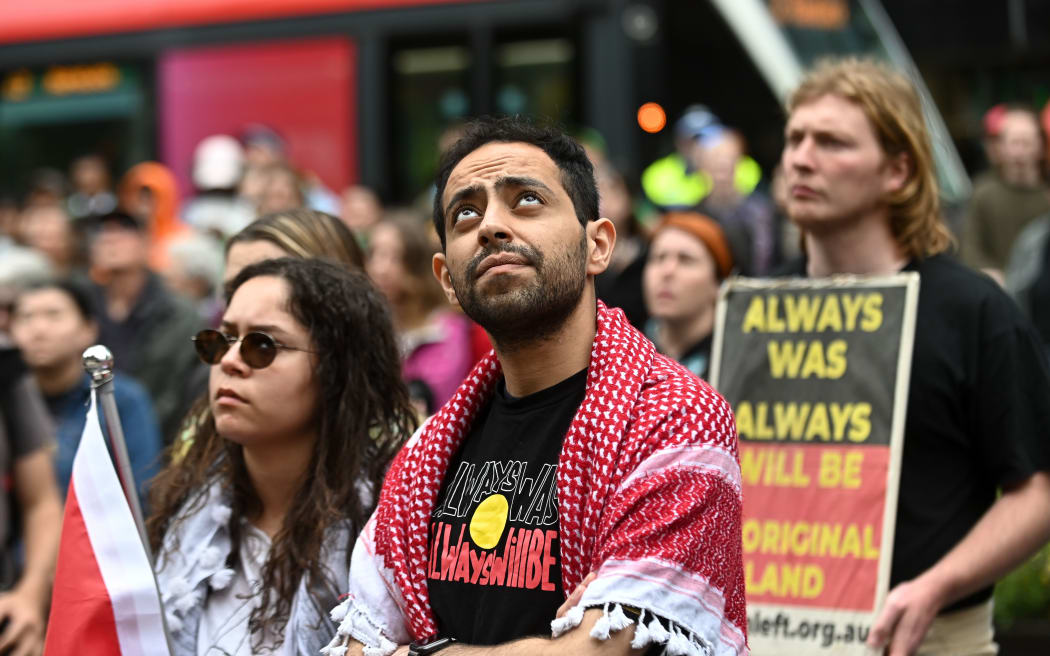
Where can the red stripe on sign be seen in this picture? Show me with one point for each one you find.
(81, 620)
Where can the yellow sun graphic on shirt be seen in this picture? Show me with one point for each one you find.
(489, 520)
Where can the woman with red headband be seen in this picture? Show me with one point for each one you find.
(689, 258)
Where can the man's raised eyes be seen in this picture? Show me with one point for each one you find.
(469, 212)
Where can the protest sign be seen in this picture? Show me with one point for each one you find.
(817, 375)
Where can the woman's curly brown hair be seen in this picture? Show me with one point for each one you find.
(363, 417)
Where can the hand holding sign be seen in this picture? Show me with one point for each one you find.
(906, 616)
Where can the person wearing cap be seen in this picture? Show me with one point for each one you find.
(677, 181)
(673, 181)
(1005, 203)
(143, 323)
(745, 215)
(218, 166)
(266, 152)
(688, 259)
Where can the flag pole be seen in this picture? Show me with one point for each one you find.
(98, 362)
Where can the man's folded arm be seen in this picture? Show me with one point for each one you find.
(578, 641)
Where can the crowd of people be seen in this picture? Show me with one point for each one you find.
(366, 385)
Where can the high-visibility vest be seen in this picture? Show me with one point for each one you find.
(668, 182)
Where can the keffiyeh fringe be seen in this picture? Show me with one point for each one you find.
(354, 623)
(676, 641)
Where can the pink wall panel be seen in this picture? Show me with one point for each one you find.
(304, 89)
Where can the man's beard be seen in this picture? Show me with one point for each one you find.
(523, 315)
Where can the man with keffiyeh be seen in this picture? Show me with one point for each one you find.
(580, 493)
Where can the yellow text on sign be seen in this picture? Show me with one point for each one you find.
(802, 538)
(838, 470)
(803, 422)
(801, 359)
(785, 580)
(813, 313)
(784, 468)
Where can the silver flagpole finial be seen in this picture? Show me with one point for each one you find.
(98, 362)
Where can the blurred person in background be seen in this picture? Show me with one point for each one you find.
(1027, 275)
(52, 324)
(47, 186)
(675, 181)
(620, 285)
(18, 266)
(689, 258)
(300, 233)
(92, 194)
(194, 271)
(149, 193)
(253, 526)
(48, 230)
(678, 180)
(991, 130)
(30, 507)
(1028, 269)
(435, 340)
(218, 165)
(282, 189)
(264, 148)
(1001, 207)
(360, 209)
(1044, 121)
(746, 216)
(8, 216)
(143, 323)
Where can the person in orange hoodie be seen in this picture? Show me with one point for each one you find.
(148, 192)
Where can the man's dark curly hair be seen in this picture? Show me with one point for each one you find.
(363, 417)
(577, 173)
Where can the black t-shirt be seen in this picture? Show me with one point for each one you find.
(978, 412)
(494, 573)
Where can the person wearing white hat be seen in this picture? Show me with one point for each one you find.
(218, 164)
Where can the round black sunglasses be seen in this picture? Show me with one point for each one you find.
(257, 348)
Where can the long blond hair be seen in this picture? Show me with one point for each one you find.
(891, 103)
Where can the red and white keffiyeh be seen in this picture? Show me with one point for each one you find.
(648, 496)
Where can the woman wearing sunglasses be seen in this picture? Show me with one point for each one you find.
(253, 526)
(301, 233)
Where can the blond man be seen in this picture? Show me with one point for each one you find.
(862, 189)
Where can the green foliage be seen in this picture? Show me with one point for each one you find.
(1025, 592)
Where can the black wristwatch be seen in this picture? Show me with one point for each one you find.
(432, 647)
